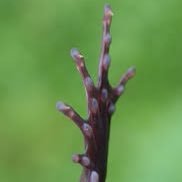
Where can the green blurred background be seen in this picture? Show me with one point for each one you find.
(36, 141)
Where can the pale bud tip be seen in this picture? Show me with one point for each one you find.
(111, 108)
(107, 10)
(85, 161)
(94, 105)
(94, 177)
(88, 82)
(120, 89)
(75, 158)
(75, 53)
(108, 38)
(104, 94)
(106, 61)
(131, 72)
(87, 129)
(60, 106)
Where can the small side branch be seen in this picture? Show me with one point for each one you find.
(106, 41)
(118, 91)
(128, 75)
(80, 63)
(81, 67)
(76, 118)
(70, 113)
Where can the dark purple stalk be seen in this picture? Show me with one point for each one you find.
(101, 99)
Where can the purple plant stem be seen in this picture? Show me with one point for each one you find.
(101, 101)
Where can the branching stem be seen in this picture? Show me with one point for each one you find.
(101, 105)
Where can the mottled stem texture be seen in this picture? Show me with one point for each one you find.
(101, 99)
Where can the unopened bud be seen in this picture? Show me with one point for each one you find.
(94, 105)
(88, 83)
(119, 90)
(61, 106)
(75, 53)
(75, 158)
(94, 177)
(131, 72)
(108, 11)
(104, 94)
(107, 38)
(85, 161)
(111, 108)
(106, 61)
(87, 129)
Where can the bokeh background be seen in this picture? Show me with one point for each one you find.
(36, 141)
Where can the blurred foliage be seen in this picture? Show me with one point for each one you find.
(36, 141)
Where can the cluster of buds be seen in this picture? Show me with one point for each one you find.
(101, 99)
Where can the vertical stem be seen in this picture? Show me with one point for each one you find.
(101, 105)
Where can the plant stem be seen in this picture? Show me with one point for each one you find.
(101, 101)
